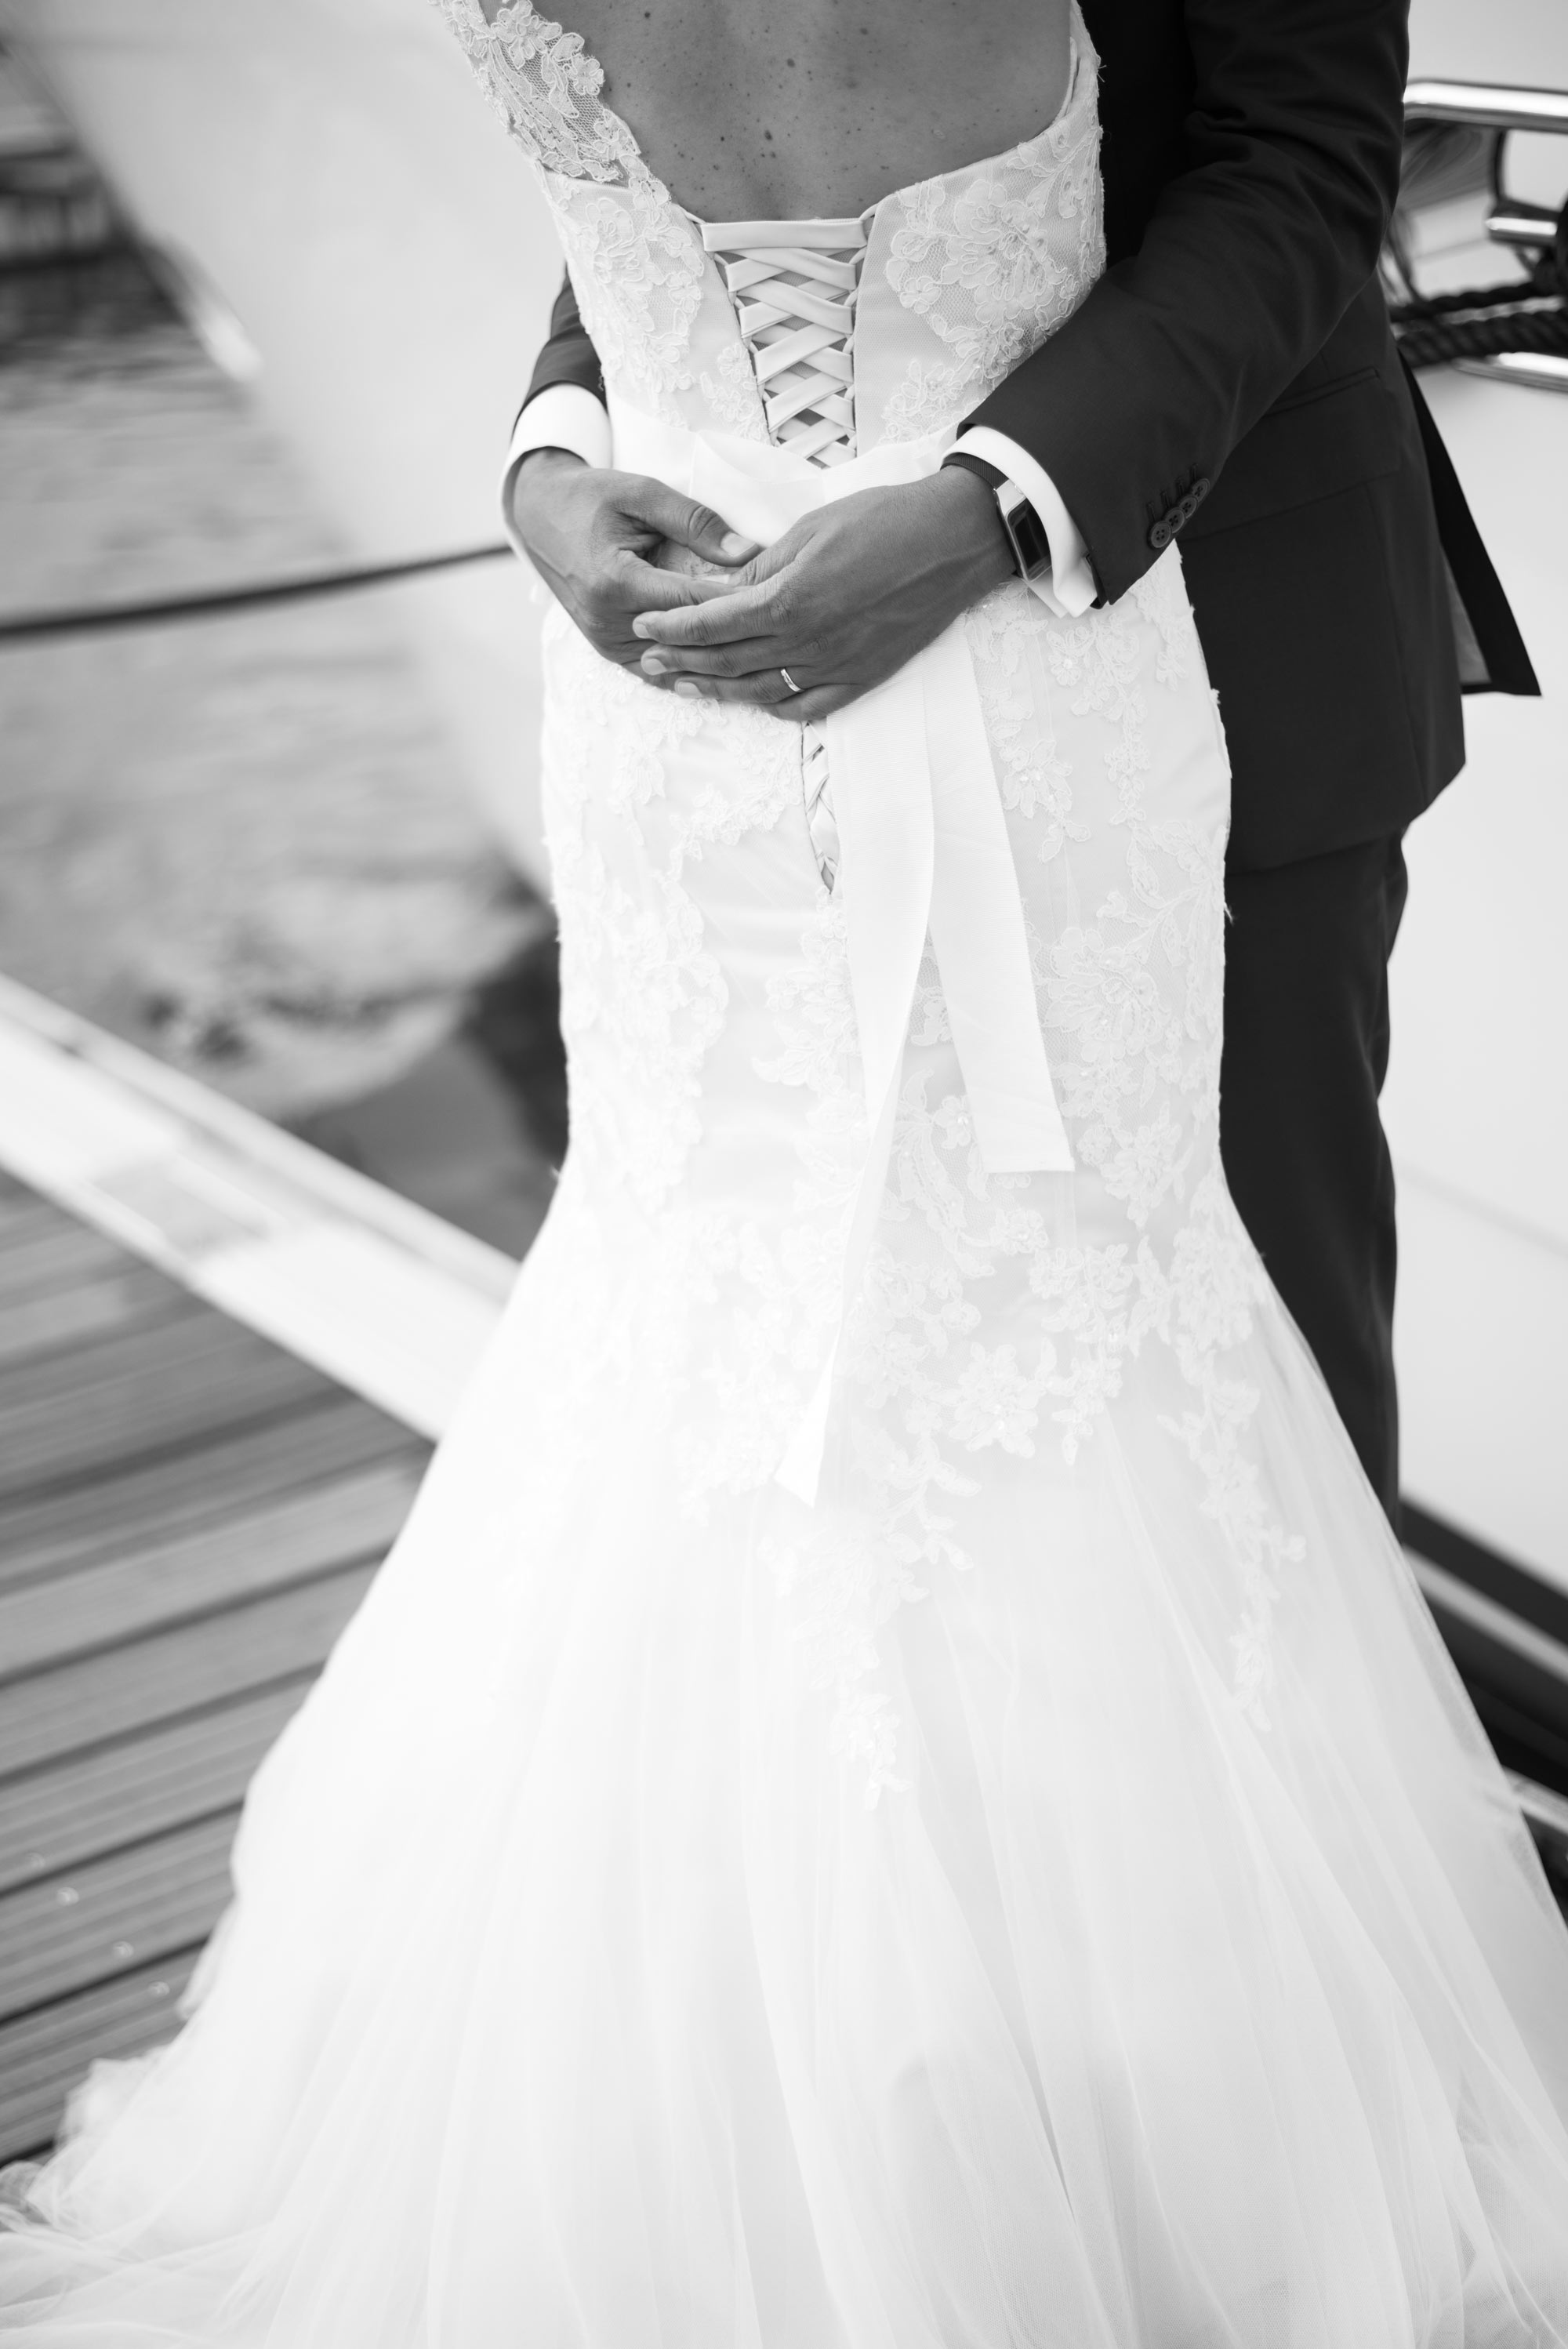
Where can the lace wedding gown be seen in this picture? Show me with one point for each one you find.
(1006, 1863)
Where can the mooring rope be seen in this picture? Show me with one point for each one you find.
(96, 619)
(1528, 314)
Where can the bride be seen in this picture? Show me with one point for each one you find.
(896, 1792)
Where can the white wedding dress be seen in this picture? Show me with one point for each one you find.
(1006, 1863)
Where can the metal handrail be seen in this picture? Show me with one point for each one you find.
(1529, 227)
(1489, 106)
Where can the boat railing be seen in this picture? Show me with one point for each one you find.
(1517, 330)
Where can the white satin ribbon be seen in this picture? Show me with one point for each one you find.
(924, 849)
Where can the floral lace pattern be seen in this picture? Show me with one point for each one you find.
(545, 86)
(729, 389)
(643, 996)
(638, 273)
(930, 395)
(994, 261)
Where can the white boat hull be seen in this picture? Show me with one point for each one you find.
(331, 169)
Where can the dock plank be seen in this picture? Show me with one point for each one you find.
(59, 1818)
(128, 1396)
(218, 1658)
(50, 1256)
(129, 1907)
(98, 1517)
(142, 1590)
(45, 2052)
(189, 1515)
(28, 1221)
(50, 1320)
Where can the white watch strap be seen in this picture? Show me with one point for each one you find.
(1069, 588)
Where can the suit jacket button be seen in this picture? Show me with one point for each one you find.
(1160, 536)
(1199, 488)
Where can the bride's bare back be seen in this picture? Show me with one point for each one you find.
(778, 108)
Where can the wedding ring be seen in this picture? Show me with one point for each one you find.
(787, 679)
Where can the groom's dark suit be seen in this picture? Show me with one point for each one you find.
(1232, 379)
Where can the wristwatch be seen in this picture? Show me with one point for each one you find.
(1025, 531)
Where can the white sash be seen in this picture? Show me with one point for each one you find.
(924, 849)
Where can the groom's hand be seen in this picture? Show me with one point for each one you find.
(598, 540)
(843, 599)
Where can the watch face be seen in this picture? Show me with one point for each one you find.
(1030, 538)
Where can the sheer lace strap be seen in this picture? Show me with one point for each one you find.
(546, 86)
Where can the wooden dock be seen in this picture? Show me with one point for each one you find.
(189, 1515)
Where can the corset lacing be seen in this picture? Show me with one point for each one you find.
(793, 284)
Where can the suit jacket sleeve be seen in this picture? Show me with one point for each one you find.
(569, 355)
(1266, 230)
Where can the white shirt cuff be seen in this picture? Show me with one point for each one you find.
(1069, 588)
(563, 416)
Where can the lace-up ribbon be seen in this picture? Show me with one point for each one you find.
(923, 847)
(793, 284)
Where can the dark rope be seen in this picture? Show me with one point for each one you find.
(1478, 322)
(1486, 298)
(1434, 345)
(91, 620)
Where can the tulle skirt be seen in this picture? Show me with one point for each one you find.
(583, 1992)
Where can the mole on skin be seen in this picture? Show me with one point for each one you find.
(780, 109)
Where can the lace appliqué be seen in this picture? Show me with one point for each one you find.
(1035, 779)
(638, 273)
(1202, 1311)
(931, 396)
(995, 263)
(743, 1306)
(545, 86)
(781, 1287)
(643, 996)
(844, 1583)
(1132, 1034)
(731, 393)
(814, 1015)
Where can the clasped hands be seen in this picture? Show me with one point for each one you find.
(841, 601)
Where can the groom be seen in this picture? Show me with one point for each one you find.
(1230, 381)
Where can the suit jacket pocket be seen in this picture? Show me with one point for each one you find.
(1312, 446)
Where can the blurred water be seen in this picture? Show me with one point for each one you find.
(245, 843)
